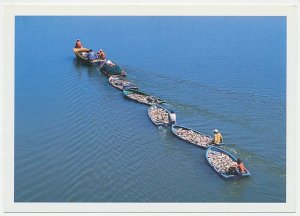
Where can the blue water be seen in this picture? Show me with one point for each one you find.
(78, 139)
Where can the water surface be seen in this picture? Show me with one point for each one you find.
(78, 139)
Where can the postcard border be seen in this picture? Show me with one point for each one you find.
(10, 11)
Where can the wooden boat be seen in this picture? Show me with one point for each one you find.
(220, 160)
(159, 115)
(111, 69)
(121, 83)
(192, 136)
(142, 97)
(81, 53)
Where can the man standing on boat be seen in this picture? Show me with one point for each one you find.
(78, 44)
(172, 117)
(217, 137)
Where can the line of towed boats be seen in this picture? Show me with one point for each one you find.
(219, 159)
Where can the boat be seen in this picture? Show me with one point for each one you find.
(111, 69)
(192, 136)
(142, 97)
(81, 53)
(121, 83)
(159, 115)
(220, 160)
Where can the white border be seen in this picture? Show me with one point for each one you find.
(135, 8)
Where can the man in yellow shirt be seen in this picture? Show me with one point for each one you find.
(217, 137)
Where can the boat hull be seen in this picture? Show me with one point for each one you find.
(159, 123)
(204, 136)
(221, 173)
(120, 82)
(112, 70)
(145, 98)
(79, 54)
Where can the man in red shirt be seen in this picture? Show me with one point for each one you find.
(237, 169)
(240, 166)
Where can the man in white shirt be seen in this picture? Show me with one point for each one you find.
(172, 117)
